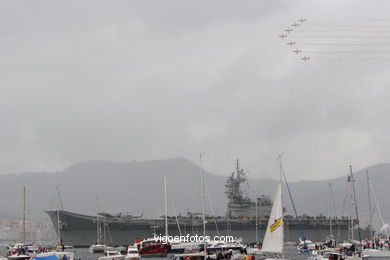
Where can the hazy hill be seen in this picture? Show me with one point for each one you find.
(137, 187)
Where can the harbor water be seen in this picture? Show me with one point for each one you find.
(84, 254)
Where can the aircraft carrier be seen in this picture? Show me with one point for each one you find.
(81, 230)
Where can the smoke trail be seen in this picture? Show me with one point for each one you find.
(349, 59)
(346, 44)
(348, 52)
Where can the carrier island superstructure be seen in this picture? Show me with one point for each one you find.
(240, 221)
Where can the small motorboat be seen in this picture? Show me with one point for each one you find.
(19, 251)
(112, 255)
(186, 247)
(374, 254)
(215, 247)
(153, 248)
(132, 253)
(97, 248)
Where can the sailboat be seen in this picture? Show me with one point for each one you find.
(330, 239)
(274, 235)
(272, 247)
(98, 247)
(58, 250)
(20, 250)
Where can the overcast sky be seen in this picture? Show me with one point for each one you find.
(140, 80)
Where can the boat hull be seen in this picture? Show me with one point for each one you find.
(374, 254)
(80, 230)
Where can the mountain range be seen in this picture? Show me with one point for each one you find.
(137, 187)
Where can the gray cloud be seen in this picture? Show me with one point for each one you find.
(146, 80)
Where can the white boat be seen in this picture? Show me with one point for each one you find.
(19, 257)
(186, 247)
(326, 255)
(373, 254)
(112, 255)
(113, 248)
(132, 253)
(215, 247)
(19, 251)
(254, 250)
(305, 246)
(238, 256)
(97, 248)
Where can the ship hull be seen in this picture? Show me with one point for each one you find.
(80, 230)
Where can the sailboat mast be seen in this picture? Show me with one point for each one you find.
(283, 176)
(330, 215)
(58, 213)
(58, 225)
(369, 204)
(203, 199)
(24, 215)
(349, 196)
(166, 207)
(281, 199)
(356, 209)
(98, 230)
(257, 240)
(104, 231)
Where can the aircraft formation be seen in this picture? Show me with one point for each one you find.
(343, 39)
(292, 43)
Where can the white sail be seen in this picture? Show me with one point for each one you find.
(273, 239)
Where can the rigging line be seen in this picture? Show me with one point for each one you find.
(212, 208)
(333, 199)
(191, 189)
(174, 211)
(345, 200)
(109, 233)
(289, 192)
(355, 202)
(379, 211)
(59, 197)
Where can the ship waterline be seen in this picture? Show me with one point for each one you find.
(80, 230)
